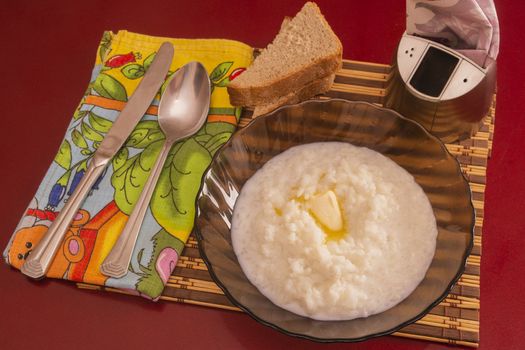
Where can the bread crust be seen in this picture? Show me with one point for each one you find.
(256, 95)
(316, 87)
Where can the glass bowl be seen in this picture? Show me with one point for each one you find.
(361, 124)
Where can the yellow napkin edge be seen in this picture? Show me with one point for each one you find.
(142, 41)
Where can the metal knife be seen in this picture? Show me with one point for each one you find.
(38, 262)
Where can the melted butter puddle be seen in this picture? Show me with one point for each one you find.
(332, 216)
(330, 235)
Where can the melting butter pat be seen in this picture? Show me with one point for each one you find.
(325, 209)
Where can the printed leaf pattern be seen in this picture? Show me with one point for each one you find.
(78, 139)
(63, 157)
(163, 87)
(145, 133)
(79, 114)
(148, 60)
(223, 83)
(90, 134)
(105, 45)
(133, 71)
(109, 87)
(64, 179)
(120, 158)
(173, 203)
(220, 71)
(98, 123)
(218, 127)
(86, 134)
(129, 179)
(173, 200)
(216, 141)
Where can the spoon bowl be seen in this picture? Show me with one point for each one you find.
(184, 105)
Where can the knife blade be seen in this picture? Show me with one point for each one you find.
(39, 261)
(136, 106)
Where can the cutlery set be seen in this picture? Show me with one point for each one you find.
(182, 112)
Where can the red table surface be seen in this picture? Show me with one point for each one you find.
(48, 49)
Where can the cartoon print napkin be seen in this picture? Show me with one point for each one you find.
(122, 59)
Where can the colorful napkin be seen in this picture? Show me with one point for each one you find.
(121, 62)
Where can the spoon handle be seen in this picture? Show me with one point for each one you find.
(117, 262)
(41, 257)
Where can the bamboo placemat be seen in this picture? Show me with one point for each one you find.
(456, 319)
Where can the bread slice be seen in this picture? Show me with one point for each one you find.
(306, 49)
(316, 87)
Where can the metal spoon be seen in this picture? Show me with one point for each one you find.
(183, 110)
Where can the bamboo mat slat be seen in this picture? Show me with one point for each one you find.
(456, 319)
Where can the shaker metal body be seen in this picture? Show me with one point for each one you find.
(444, 91)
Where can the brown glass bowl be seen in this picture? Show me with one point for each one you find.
(361, 124)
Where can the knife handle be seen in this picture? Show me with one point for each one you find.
(38, 262)
(117, 262)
